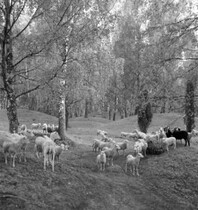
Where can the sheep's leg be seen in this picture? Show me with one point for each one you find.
(133, 170)
(53, 157)
(111, 161)
(126, 167)
(6, 158)
(137, 171)
(45, 161)
(13, 164)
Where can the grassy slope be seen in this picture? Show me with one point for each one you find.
(168, 181)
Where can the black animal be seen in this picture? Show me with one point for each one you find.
(178, 134)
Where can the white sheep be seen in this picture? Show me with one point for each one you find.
(15, 146)
(132, 135)
(140, 146)
(169, 142)
(101, 132)
(54, 135)
(39, 142)
(161, 133)
(141, 134)
(23, 127)
(105, 144)
(110, 153)
(35, 126)
(133, 163)
(124, 134)
(122, 146)
(152, 137)
(101, 160)
(44, 127)
(96, 144)
(58, 150)
(49, 153)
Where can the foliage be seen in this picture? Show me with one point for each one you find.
(144, 112)
(189, 106)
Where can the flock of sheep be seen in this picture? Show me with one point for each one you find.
(47, 147)
(107, 148)
(45, 144)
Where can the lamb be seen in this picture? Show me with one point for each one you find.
(49, 153)
(161, 133)
(39, 142)
(133, 163)
(45, 128)
(122, 146)
(140, 146)
(58, 150)
(15, 146)
(101, 160)
(169, 142)
(110, 153)
(35, 126)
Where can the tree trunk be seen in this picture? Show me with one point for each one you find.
(189, 107)
(12, 114)
(114, 115)
(8, 70)
(66, 117)
(61, 117)
(86, 108)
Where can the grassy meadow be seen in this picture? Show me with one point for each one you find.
(166, 182)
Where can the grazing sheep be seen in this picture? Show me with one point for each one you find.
(102, 133)
(132, 136)
(171, 141)
(152, 137)
(141, 134)
(15, 146)
(122, 146)
(101, 160)
(140, 146)
(133, 163)
(35, 126)
(49, 153)
(124, 134)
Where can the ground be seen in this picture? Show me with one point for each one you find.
(166, 181)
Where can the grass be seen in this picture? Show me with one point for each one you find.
(167, 181)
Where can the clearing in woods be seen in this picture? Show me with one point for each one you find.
(167, 181)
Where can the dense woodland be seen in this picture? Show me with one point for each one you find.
(71, 58)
